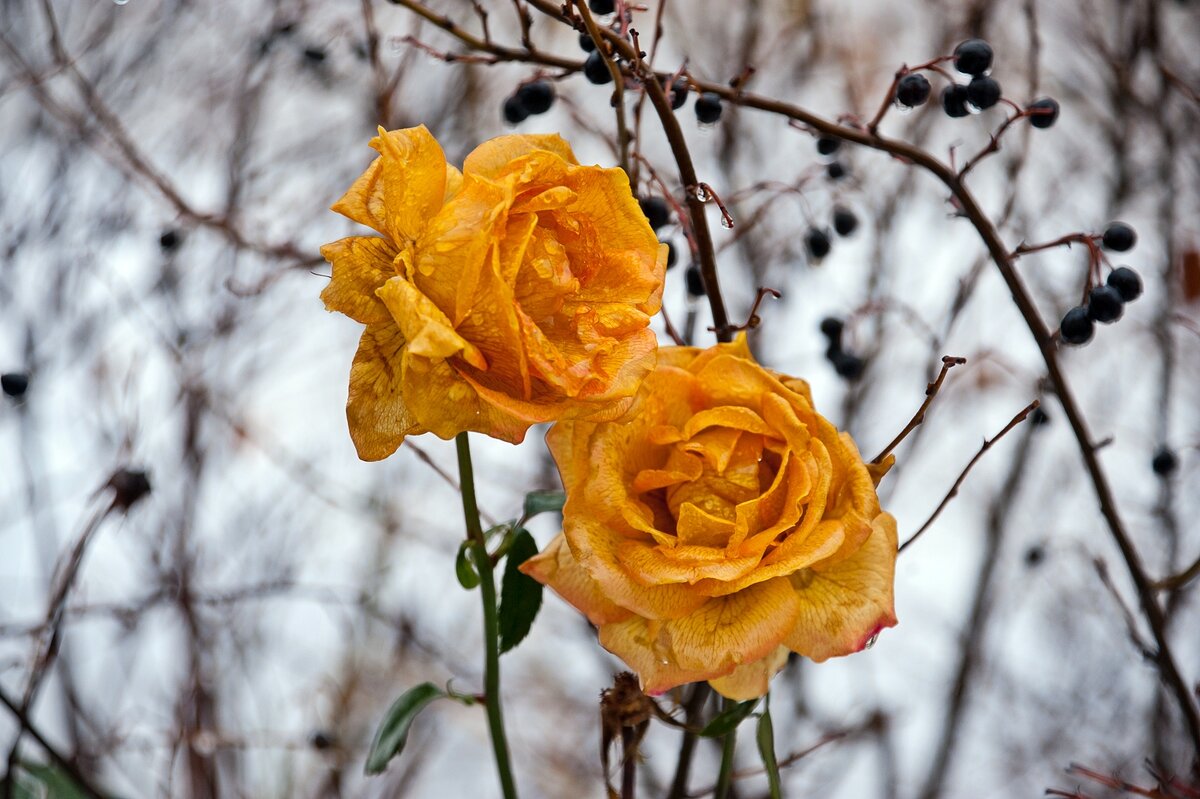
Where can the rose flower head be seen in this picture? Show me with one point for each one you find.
(725, 525)
(517, 291)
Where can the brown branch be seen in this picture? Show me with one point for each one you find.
(1126, 613)
(1177, 581)
(931, 390)
(59, 759)
(683, 159)
(687, 744)
(987, 444)
(968, 206)
(618, 101)
(526, 55)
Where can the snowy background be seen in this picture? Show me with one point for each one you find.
(166, 167)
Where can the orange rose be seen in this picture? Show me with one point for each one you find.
(725, 525)
(518, 291)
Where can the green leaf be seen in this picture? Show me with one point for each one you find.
(46, 781)
(520, 595)
(464, 566)
(766, 748)
(543, 502)
(727, 720)
(393, 730)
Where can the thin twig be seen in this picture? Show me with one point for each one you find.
(987, 444)
(931, 390)
(1177, 581)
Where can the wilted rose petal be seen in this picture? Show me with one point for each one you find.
(515, 292)
(722, 526)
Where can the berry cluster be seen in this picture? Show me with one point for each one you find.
(817, 241)
(531, 98)
(1105, 303)
(846, 364)
(974, 58)
(708, 105)
(828, 146)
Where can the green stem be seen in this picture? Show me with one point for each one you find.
(728, 744)
(491, 629)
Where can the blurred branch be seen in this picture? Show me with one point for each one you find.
(27, 726)
(130, 157)
(1177, 581)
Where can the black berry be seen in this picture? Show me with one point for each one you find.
(515, 111)
(1126, 282)
(672, 256)
(1039, 417)
(602, 6)
(1118, 236)
(816, 241)
(537, 96)
(848, 365)
(1034, 556)
(954, 100)
(844, 221)
(315, 55)
(836, 170)
(14, 384)
(1105, 304)
(1076, 327)
(708, 108)
(983, 92)
(828, 145)
(656, 211)
(585, 42)
(1045, 112)
(128, 485)
(595, 70)
(320, 740)
(695, 281)
(678, 94)
(169, 240)
(973, 57)
(913, 90)
(831, 328)
(1164, 462)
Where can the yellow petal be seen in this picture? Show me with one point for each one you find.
(428, 332)
(844, 605)
(378, 416)
(495, 157)
(751, 680)
(595, 545)
(642, 645)
(557, 568)
(361, 264)
(733, 630)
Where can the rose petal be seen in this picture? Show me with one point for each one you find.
(640, 643)
(361, 264)
(732, 630)
(844, 604)
(557, 568)
(751, 680)
(427, 330)
(493, 159)
(376, 410)
(402, 189)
